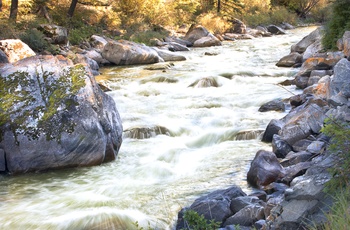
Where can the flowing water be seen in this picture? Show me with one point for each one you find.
(153, 178)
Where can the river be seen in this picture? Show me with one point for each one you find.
(152, 179)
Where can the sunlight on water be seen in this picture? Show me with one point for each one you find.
(215, 134)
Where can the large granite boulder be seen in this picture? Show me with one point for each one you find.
(15, 50)
(207, 41)
(290, 60)
(169, 56)
(124, 52)
(340, 82)
(264, 169)
(54, 115)
(346, 44)
(196, 32)
(302, 45)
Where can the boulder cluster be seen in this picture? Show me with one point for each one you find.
(289, 180)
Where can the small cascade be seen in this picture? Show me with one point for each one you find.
(145, 132)
(248, 135)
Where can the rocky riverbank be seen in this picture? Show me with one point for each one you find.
(291, 177)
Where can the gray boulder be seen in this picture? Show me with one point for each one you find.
(302, 45)
(246, 216)
(346, 44)
(169, 56)
(55, 34)
(340, 82)
(58, 117)
(273, 29)
(98, 42)
(124, 52)
(302, 122)
(207, 41)
(274, 105)
(272, 128)
(264, 169)
(196, 32)
(145, 132)
(290, 60)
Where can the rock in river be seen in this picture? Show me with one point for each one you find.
(54, 115)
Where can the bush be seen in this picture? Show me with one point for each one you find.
(213, 23)
(35, 40)
(198, 222)
(338, 24)
(340, 147)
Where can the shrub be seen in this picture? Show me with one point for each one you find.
(213, 23)
(35, 40)
(340, 147)
(338, 23)
(198, 222)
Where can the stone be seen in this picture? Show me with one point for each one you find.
(302, 123)
(92, 64)
(242, 201)
(290, 60)
(214, 206)
(264, 169)
(195, 32)
(207, 41)
(56, 34)
(80, 126)
(272, 128)
(301, 145)
(312, 50)
(15, 50)
(295, 170)
(2, 161)
(340, 80)
(274, 105)
(97, 56)
(124, 52)
(98, 42)
(238, 26)
(316, 147)
(180, 41)
(169, 56)
(246, 216)
(273, 29)
(280, 147)
(346, 44)
(293, 158)
(302, 45)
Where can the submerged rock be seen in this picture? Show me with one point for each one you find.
(145, 132)
(54, 115)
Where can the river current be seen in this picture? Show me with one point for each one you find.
(152, 179)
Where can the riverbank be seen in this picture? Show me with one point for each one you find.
(293, 175)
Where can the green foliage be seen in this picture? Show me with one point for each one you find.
(274, 15)
(195, 221)
(146, 36)
(338, 23)
(80, 34)
(35, 40)
(340, 147)
(339, 215)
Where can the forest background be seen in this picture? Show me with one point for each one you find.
(140, 20)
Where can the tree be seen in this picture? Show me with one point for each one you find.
(229, 7)
(0, 5)
(301, 7)
(72, 7)
(338, 23)
(14, 10)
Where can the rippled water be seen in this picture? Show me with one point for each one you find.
(152, 179)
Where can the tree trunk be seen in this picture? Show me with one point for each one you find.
(0, 5)
(72, 8)
(14, 10)
(219, 6)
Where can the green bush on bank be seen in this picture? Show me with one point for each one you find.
(339, 22)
